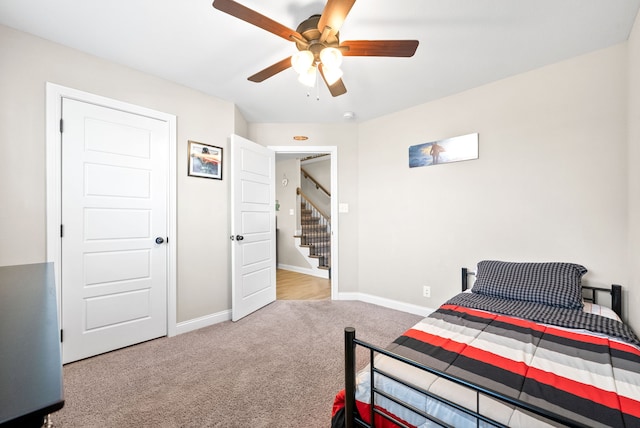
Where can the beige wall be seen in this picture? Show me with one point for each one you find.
(320, 170)
(286, 195)
(27, 63)
(550, 183)
(633, 284)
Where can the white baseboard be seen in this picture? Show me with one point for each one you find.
(387, 303)
(320, 273)
(205, 321)
(208, 320)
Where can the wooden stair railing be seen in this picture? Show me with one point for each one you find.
(314, 181)
(316, 231)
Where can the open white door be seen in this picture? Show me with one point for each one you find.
(253, 243)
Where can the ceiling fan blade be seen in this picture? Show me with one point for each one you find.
(396, 48)
(252, 17)
(337, 88)
(333, 16)
(272, 70)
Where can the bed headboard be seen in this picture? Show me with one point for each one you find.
(589, 293)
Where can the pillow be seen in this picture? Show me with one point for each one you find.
(553, 283)
(592, 308)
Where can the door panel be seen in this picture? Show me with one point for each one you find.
(131, 265)
(132, 305)
(114, 205)
(252, 226)
(131, 183)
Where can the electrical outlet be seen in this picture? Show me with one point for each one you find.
(426, 291)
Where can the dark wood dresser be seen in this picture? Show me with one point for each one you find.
(30, 360)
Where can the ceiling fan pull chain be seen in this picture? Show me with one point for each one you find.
(317, 87)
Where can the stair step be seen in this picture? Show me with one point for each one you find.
(316, 246)
(325, 267)
(317, 241)
(322, 244)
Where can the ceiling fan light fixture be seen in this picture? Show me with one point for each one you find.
(308, 77)
(331, 74)
(301, 61)
(331, 57)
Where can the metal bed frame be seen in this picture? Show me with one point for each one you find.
(353, 419)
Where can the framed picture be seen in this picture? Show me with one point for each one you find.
(454, 149)
(205, 160)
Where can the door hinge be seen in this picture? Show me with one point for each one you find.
(61, 127)
(61, 231)
(61, 335)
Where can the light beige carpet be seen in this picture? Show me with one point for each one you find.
(278, 367)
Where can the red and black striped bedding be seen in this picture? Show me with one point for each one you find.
(590, 377)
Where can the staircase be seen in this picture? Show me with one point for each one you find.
(315, 233)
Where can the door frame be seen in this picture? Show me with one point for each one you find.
(53, 162)
(333, 151)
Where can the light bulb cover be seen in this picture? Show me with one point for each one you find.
(308, 78)
(301, 61)
(331, 74)
(331, 57)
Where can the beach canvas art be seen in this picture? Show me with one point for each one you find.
(453, 149)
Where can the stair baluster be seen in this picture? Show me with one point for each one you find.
(316, 231)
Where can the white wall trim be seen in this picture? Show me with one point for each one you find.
(387, 303)
(209, 320)
(319, 273)
(204, 321)
(54, 95)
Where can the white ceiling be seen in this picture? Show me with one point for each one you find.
(463, 44)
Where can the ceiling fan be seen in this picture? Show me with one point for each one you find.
(318, 43)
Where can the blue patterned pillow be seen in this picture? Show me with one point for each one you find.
(553, 283)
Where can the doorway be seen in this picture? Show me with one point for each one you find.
(297, 278)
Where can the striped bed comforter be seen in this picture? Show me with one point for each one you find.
(590, 377)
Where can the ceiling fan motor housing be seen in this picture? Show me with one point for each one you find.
(309, 30)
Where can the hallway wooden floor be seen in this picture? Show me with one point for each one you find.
(297, 286)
